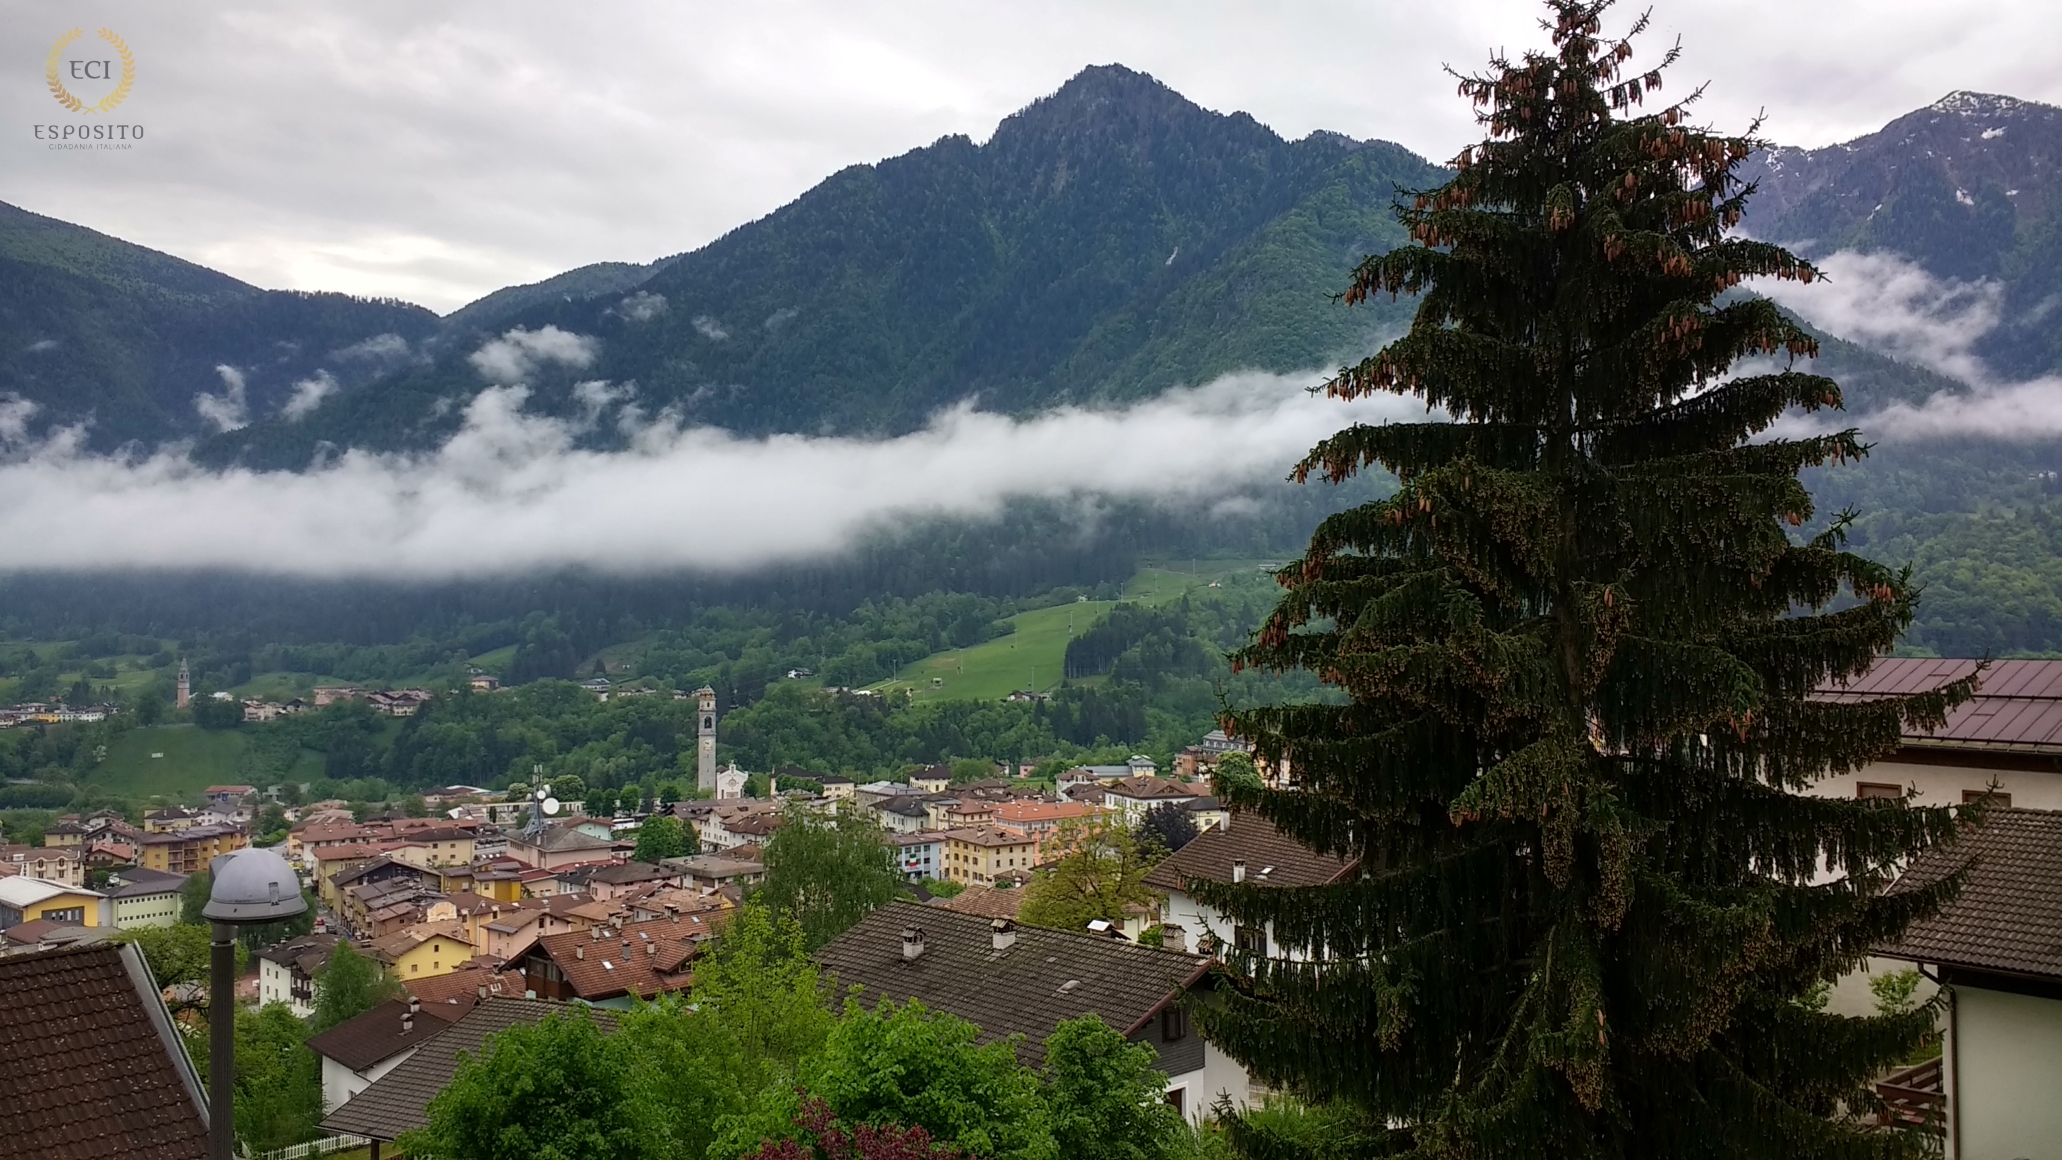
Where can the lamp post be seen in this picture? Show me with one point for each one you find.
(251, 887)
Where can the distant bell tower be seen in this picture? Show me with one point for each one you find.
(706, 750)
(185, 685)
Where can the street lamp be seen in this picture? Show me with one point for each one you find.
(251, 886)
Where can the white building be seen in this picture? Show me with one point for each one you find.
(145, 897)
(358, 1051)
(1996, 949)
(286, 973)
(1244, 848)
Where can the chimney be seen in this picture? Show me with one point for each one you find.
(912, 944)
(1002, 934)
(407, 1021)
(1238, 872)
(483, 990)
(580, 952)
(626, 950)
(414, 1005)
(652, 949)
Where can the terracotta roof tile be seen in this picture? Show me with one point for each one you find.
(984, 901)
(641, 958)
(2008, 916)
(92, 1064)
(380, 1033)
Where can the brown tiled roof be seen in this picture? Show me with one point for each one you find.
(991, 836)
(984, 901)
(455, 993)
(641, 958)
(2018, 706)
(308, 952)
(1047, 977)
(93, 1067)
(378, 1034)
(2008, 916)
(395, 1102)
(628, 873)
(37, 930)
(1149, 789)
(1271, 857)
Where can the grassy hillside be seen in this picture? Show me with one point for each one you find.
(179, 761)
(1030, 657)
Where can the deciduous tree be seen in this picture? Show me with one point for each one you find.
(350, 985)
(1102, 872)
(829, 872)
(665, 836)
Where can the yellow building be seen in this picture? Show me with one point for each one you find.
(499, 885)
(25, 899)
(189, 851)
(435, 849)
(424, 951)
(980, 855)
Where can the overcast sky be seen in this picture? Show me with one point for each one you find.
(437, 151)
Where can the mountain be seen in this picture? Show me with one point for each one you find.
(1108, 241)
(1970, 187)
(95, 328)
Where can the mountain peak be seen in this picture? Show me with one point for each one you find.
(1106, 96)
(1969, 104)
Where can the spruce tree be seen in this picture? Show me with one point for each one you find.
(1578, 647)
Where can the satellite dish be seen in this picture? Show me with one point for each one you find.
(551, 805)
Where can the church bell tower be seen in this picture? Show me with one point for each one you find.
(185, 685)
(705, 751)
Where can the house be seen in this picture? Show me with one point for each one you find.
(1040, 818)
(191, 849)
(984, 902)
(1247, 848)
(2010, 732)
(920, 855)
(398, 1100)
(875, 792)
(424, 950)
(358, 1051)
(1024, 981)
(286, 973)
(453, 994)
(61, 864)
(1206, 812)
(905, 814)
(63, 834)
(24, 899)
(558, 847)
(836, 787)
(932, 780)
(442, 846)
(980, 855)
(167, 820)
(483, 683)
(95, 1069)
(1202, 757)
(612, 966)
(228, 796)
(1097, 775)
(608, 883)
(728, 833)
(145, 897)
(1997, 949)
(1130, 798)
(709, 872)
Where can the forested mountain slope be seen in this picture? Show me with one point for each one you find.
(1109, 241)
(94, 328)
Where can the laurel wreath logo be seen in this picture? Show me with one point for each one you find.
(64, 96)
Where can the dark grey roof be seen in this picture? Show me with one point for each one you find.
(92, 1065)
(396, 1102)
(140, 882)
(1271, 857)
(1047, 977)
(2008, 916)
(629, 873)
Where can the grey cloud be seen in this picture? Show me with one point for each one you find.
(228, 410)
(514, 491)
(309, 393)
(514, 356)
(380, 347)
(642, 306)
(709, 328)
(1889, 304)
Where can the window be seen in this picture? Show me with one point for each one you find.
(1999, 800)
(1177, 1098)
(74, 914)
(1174, 1024)
(1868, 790)
(1251, 940)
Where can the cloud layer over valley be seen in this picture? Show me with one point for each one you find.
(514, 491)
(1888, 304)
